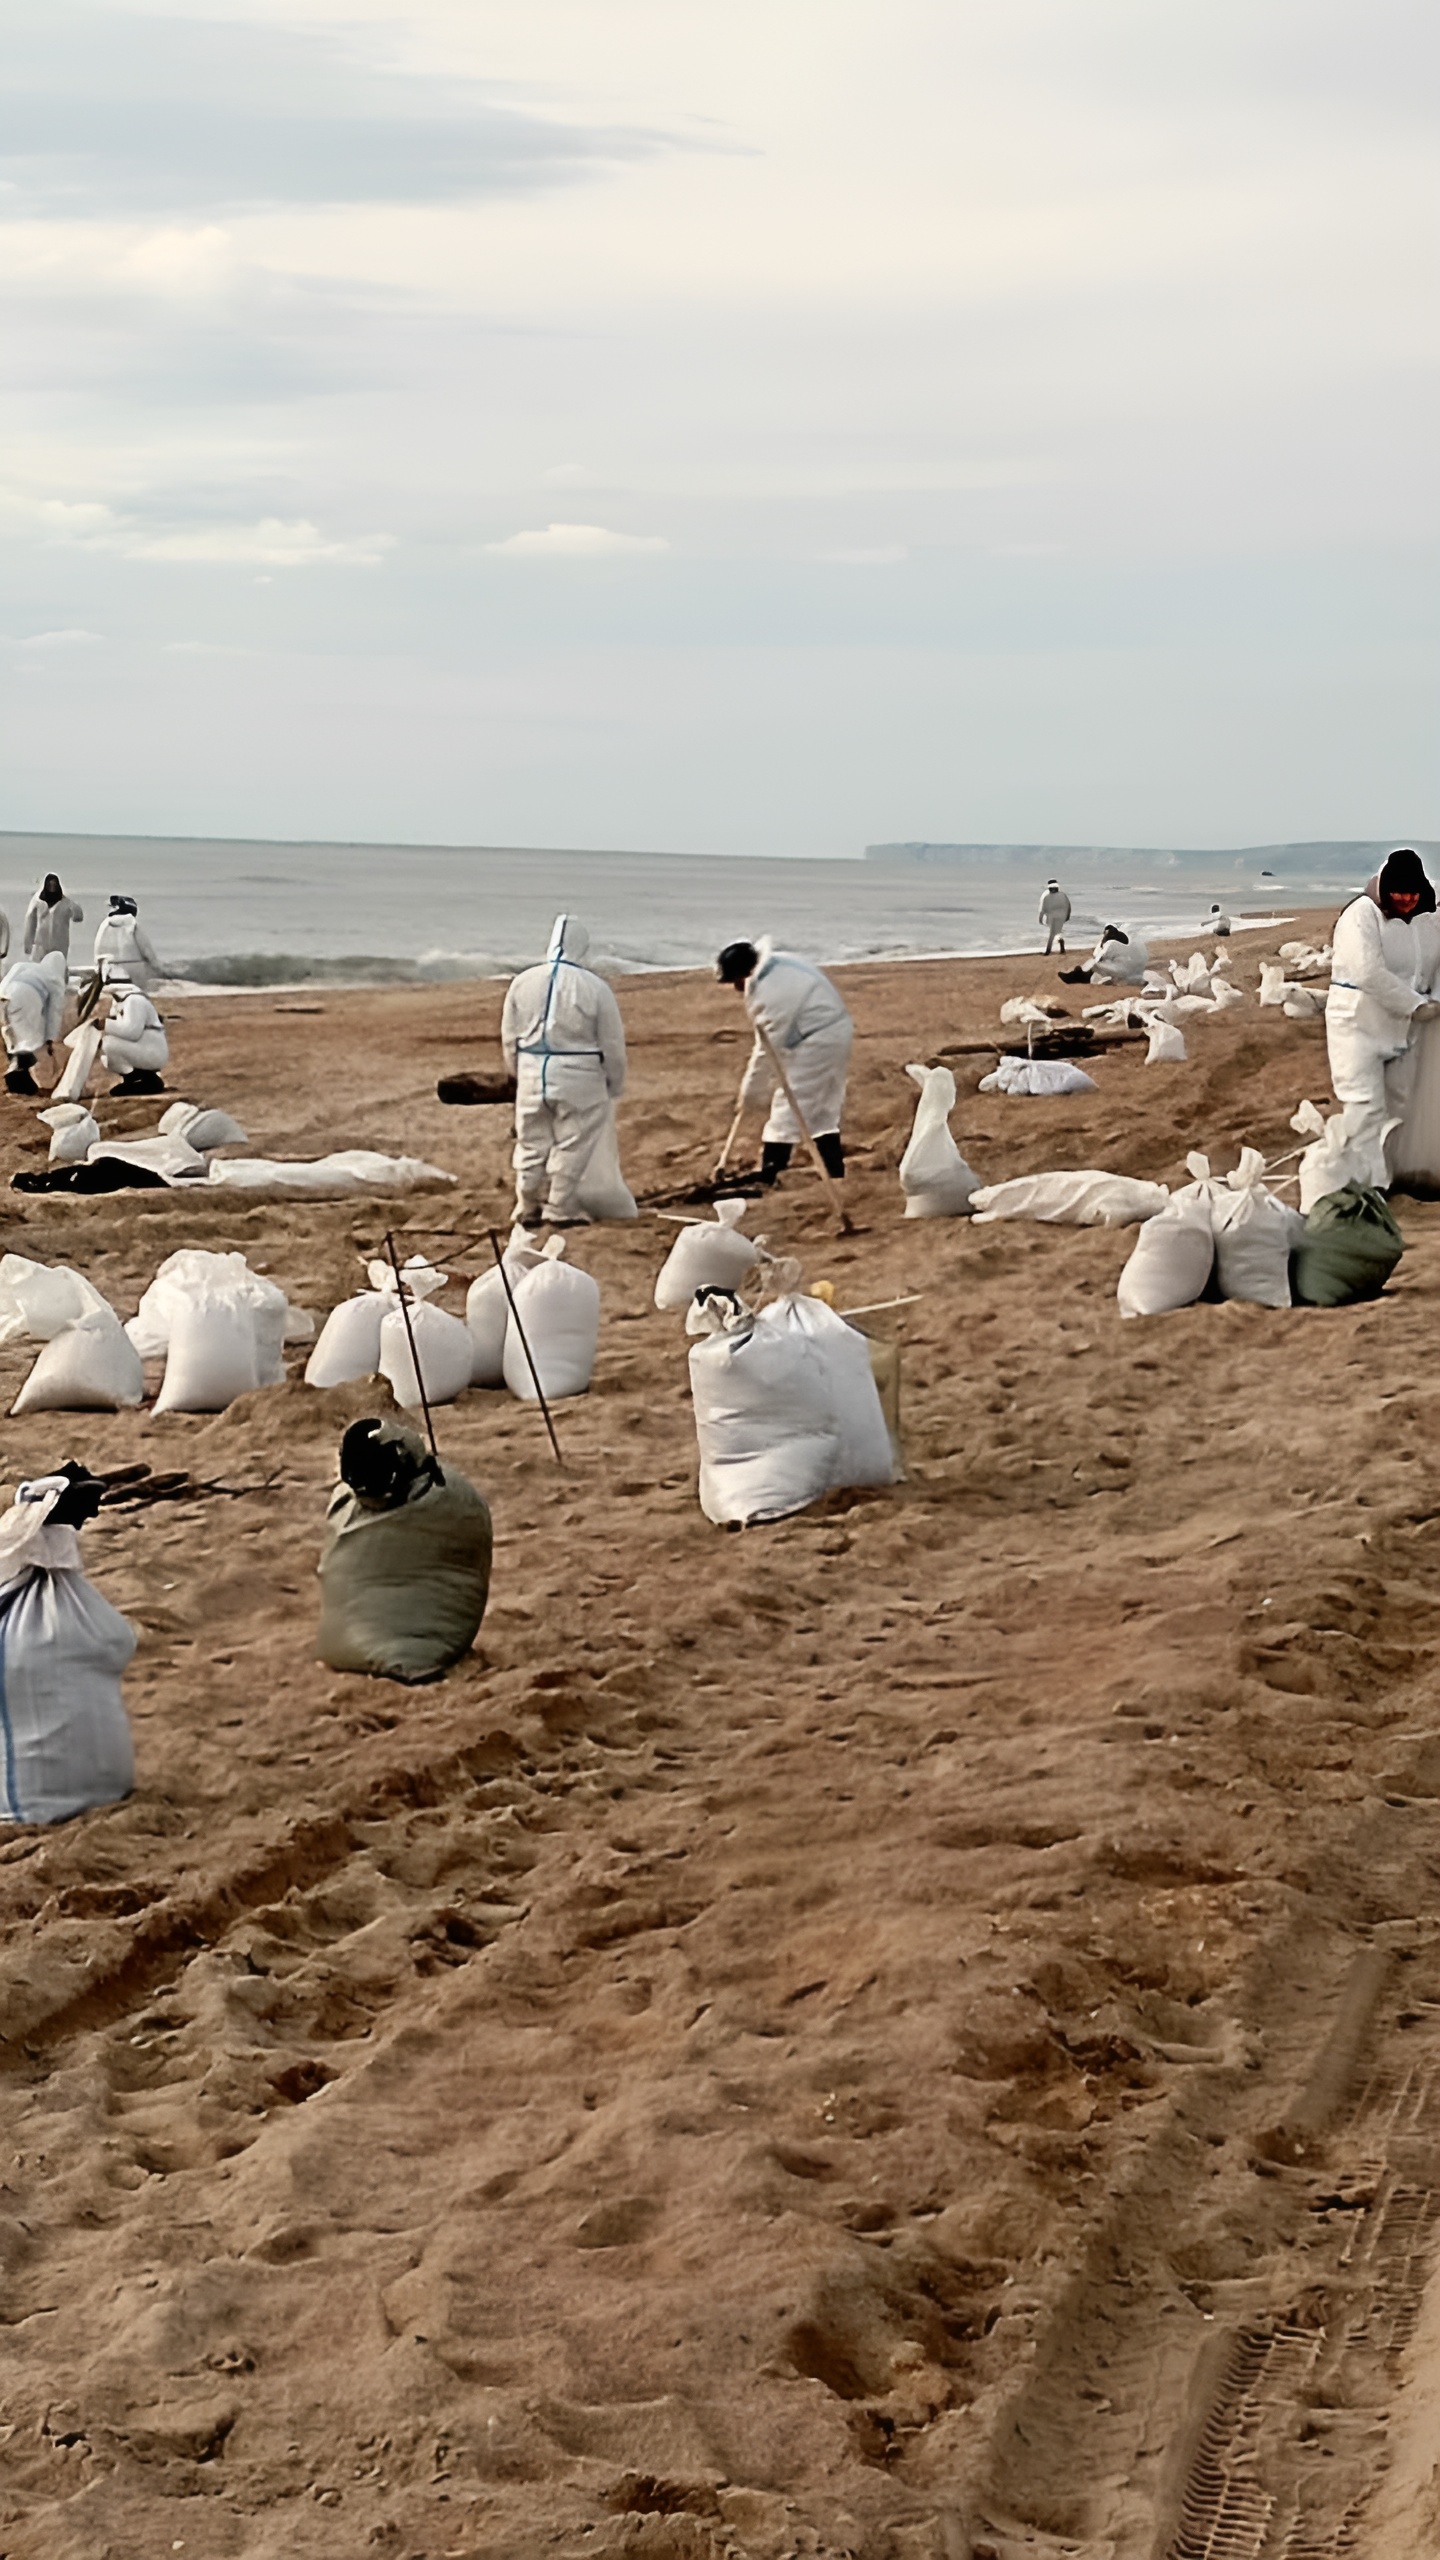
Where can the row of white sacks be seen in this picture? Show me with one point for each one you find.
(185, 1150)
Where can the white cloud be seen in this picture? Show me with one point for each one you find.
(569, 475)
(49, 640)
(576, 542)
(280, 545)
(274, 542)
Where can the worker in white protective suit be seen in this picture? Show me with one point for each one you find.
(564, 1044)
(1119, 959)
(1217, 922)
(1386, 964)
(1054, 915)
(48, 919)
(123, 943)
(133, 1044)
(32, 1015)
(795, 1007)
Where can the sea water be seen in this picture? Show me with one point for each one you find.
(265, 914)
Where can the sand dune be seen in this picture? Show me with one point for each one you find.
(907, 2034)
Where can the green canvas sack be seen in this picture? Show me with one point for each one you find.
(405, 1566)
(1350, 1247)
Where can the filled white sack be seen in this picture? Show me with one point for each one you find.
(40, 1298)
(602, 1191)
(351, 1169)
(174, 1161)
(1303, 1004)
(708, 1253)
(1192, 976)
(1022, 1009)
(1274, 985)
(443, 1350)
(203, 1130)
(934, 1176)
(1341, 1154)
(559, 1308)
(74, 1130)
(84, 1047)
(1226, 993)
(1255, 1235)
(348, 1347)
(62, 1650)
(1070, 1199)
(90, 1366)
(786, 1407)
(1037, 1076)
(487, 1312)
(221, 1326)
(1167, 1044)
(1171, 1260)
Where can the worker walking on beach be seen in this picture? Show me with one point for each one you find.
(122, 942)
(1386, 961)
(794, 1006)
(564, 1044)
(48, 919)
(1054, 915)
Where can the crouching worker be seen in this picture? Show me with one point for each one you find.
(405, 1567)
(1119, 959)
(794, 1006)
(133, 1045)
(32, 1014)
(564, 1043)
(64, 1737)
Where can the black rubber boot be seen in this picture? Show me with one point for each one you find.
(139, 1080)
(832, 1154)
(774, 1157)
(19, 1079)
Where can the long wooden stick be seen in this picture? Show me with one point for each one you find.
(499, 1252)
(832, 1186)
(724, 1156)
(410, 1338)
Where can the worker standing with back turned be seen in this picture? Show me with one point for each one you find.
(564, 1044)
(795, 1007)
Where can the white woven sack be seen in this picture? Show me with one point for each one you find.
(443, 1349)
(1167, 1045)
(765, 1416)
(710, 1253)
(90, 1367)
(74, 1131)
(602, 1191)
(349, 1344)
(1255, 1235)
(864, 1453)
(1070, 1199)
(40, 1298)
(487, 1312)
(212, 1355)
(559, 1307)
(62, 1650)
(934, 1176)
(203, 1130)
(1171, 1259)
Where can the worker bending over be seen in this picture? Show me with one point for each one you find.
(795, 1007)
(1119, 959)
(1386, 962)
(564, 1044)
(32, 1015)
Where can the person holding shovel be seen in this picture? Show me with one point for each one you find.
(803, 1036)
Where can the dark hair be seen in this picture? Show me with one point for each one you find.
(736, 963)
(121, 906)
(50, 889)
(1404, 871)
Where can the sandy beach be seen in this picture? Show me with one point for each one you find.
(909, 2034)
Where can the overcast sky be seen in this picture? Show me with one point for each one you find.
(729, 425)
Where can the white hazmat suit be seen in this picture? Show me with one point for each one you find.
(123, 943)
(48, 922)
(1054, 915)
(1383, 970)
(565, 1045)
(807, 1023)
(134, 1038)
(32, 1004)
(1119, 964)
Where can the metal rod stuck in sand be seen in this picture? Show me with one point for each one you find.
(410, 1338)
(498, 1250)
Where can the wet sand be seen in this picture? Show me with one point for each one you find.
(907, 2034)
